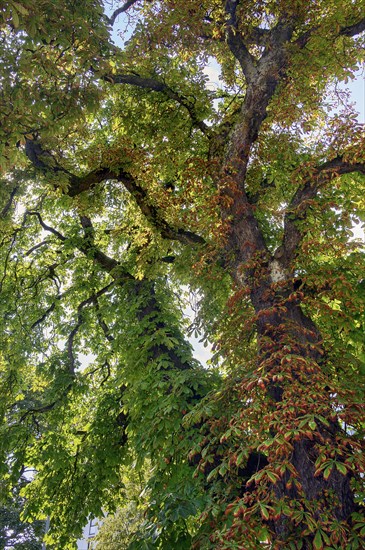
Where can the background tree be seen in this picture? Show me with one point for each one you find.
(126, 180)
(15, 533)
(117, 530)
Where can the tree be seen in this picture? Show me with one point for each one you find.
(14, 533)
(127, 180)
(117, 530)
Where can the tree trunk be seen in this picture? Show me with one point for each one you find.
(292, 366)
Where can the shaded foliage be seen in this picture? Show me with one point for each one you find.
(15, 533)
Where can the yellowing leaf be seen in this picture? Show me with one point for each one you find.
(264, 511)
(341, 468)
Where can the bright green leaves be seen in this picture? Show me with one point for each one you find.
(76, 419)
(14, 532)
(79, 463)
(44, 68)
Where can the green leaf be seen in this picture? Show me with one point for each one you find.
(20, 8)
(15, 18)
(272, 476)
(341, 468)
(317, 541)
(264, 511)
(327, 471)
(240, 458)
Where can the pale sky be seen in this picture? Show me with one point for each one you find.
(357, 89)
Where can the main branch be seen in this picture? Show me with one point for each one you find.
(111, 20)
(78, 184)
(155, 85)
(298, 208)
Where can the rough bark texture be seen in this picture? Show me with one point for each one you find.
(280, 321)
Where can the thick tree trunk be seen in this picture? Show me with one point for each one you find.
(291, 362)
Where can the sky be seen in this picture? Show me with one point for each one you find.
(357, 89)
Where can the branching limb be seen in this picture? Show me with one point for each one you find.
(263, 78)
(42, 409)
(79, 184)
(7, 258)
(350, 31)
(258, 36)
(122, 9)
(235, 42)
(262, 81)
(93, 299)
(151, 212)
(47, 312)
(155, 85)
(153, 215)
(88, 247)
(80, 320)
(353, 30)
(45, 226)
(104, 327)
(245, 236)
(42, 159)
(142, 287)
(105, 365)
(298, 208)
(70, 342)
(36, 247)
(108, 264)
(9, 202)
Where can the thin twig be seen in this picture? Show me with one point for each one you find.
(45, 226)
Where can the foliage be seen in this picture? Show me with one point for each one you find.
(15, 533)
(117, 530)
(128, 180)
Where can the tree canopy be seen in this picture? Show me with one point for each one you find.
(128, 181)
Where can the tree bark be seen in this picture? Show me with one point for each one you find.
(287, 335)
